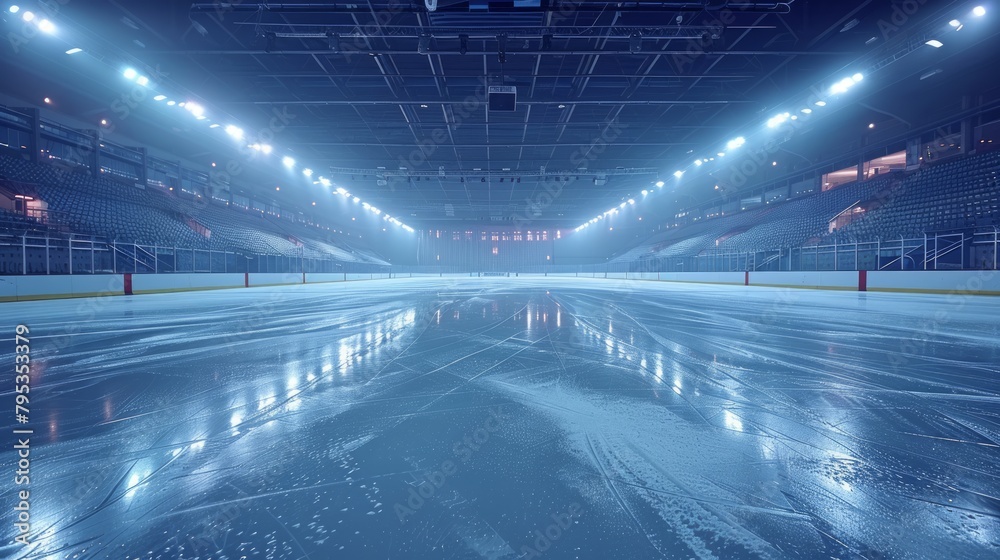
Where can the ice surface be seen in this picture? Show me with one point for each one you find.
(508, 418)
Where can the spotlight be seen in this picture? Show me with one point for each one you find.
(698, 162)
(644, 192)
(28, 16)
(14, 9)
(733, 144)
(871, 125)
(858, 77)
(171, 103)
(979, 11)
(807, 111)
(288, 162)
(159, 98)
(463, 44)
(324, 181)
(47, 101)
(635, 43)
(721, 154)
(47, 26)
(821, 103)
(266, 148)
(660, 184)
(307, 172)
(955, 23)
(142, 81)
(631, 201)
(935, 43)
(74, 50)
(130, 74)
(195, 109)
(678, 174)
(235, 131)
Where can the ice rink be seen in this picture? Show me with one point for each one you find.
(503, 418)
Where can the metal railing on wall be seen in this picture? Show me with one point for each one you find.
(34, 253)
(29, 253)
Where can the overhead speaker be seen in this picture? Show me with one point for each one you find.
(502, 98)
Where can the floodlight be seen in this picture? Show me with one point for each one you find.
(678, 174)
(307, 172)
(130, 74)
(935, 43)
(235, 131)
(74, 50)
(47, 26)
(979, 11)
(288, 161)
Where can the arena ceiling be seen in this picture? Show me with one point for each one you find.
(389, 98)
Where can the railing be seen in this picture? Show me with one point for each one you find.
(38, 253)
(938, 251)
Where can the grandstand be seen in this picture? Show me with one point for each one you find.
(493, 280)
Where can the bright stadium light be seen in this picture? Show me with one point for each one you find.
(28, 16)
(807, 111)
(159, 98)
(214, 125)
(979, 11)
(678, 173)
(194, 109)
(935, 43)
(341, 190)
(660, 184)
(130, 74)
(324, 181)
(288, 162)
(142, 81)
(698, 162)
(721, 154)
(74, 50)
(14, 9)
(235, 131)
(777, 120)
(171, 103)
(631, 201)
(266, 148)
(857, 77)
(622, 205)
(736, 143)
(307, 172)
(356, 200)
(47, 26)
(821, 103)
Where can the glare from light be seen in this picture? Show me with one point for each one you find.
(979, 11)
(807, 111)
(47, 100)
(266, 148)
(235, 131)
(47, 26)
(142, 81)
(171, 103)
(644, 192)
(660, 184)
(341, 190)
(28, 16)
(777, 120)
(356, 200)
(324, 181)
(288, 161)
(631, 201)
(871, 125)
(74, 50)
(307, 172)
(15, 9)
(195, 109)
(214, 125)
(622, 205)
(159, 98)
(858, 77)
(821, 103)
(721, 154)
(130, 74)
(736, 143)
(678, 174)
(935, 43)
